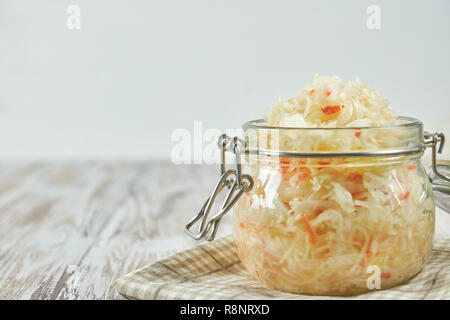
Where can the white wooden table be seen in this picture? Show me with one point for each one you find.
(68, 230)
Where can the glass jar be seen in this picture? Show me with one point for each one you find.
(325, 211)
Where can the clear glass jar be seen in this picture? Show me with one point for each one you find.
(329, 207)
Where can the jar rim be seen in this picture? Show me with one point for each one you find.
(409, 122)
(261, 139)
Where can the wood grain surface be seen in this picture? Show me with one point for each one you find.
(68, 230)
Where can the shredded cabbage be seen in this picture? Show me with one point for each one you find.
(313, 225)
(331, 102)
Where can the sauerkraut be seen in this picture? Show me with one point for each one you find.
(331, 102)
(314, 225)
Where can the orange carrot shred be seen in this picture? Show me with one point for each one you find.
(312, 91)
(331, 109)
(369, 246)
(385, 275)
(358, 133)
(284, 170)
(323, 163)
(412, 167)
(404, 195)
(241, 225)
(303, 176)
(354, 176)
(309, 229)
(328, 93)
(318, 211)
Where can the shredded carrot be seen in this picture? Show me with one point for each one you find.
(354, 176)
(369, 246)
(311, 91)
(284, 161)
(385, 275)
(404, 195)
(318, 211)
(241, 225)
(284, 169)
(303, 176)
(358, 133)
(362, 263)
(323, 163)
(309, 229)
(331, 109)
(302, 173)
(412, 167)
(326, 251)
(328, 93)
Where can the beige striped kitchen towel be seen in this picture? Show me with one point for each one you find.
(213, 271)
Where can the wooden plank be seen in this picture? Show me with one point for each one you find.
(49, 221)
(69, 230)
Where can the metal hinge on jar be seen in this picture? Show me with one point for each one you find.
(435, 141)
(236, 183)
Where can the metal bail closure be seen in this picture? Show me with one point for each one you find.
(234, 180)
(436, 142)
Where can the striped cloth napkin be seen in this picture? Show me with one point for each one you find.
(213, 271)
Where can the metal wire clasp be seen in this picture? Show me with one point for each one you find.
(436, 142)
(236, 183)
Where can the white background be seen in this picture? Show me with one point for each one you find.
(137, 70)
